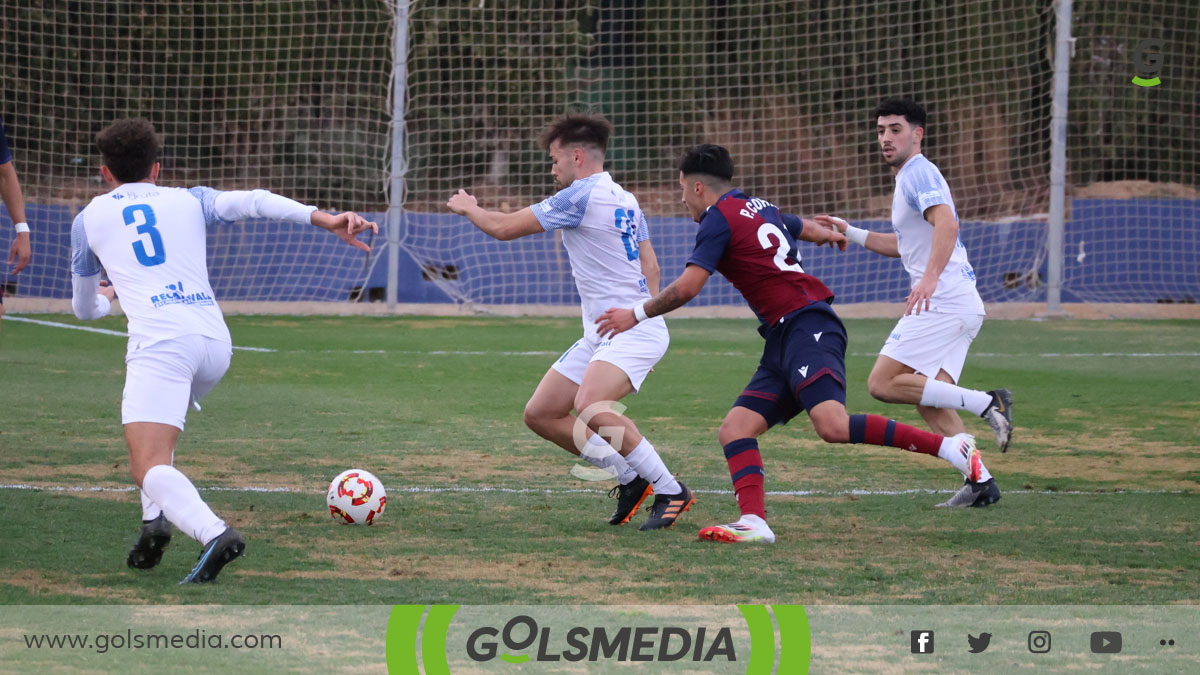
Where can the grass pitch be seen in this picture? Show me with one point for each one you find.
(1102, 485)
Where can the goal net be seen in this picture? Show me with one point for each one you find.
(297, 97)
(291, 96)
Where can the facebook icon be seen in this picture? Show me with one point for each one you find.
(922, 641)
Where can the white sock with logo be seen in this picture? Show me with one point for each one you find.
(599, 453)
(645, 460)
(150, 510)
(938, 394)
(172, 490)
(949, 451)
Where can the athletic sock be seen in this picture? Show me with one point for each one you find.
(599, 453)
(938, 394)
(150, 510)
(877, 430)
(645, 460)
(746, 471)
(172, 490)
(950, 452)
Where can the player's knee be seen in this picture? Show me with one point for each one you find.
(534, 417)
(878, 386)
(832, 428)
(731, 431)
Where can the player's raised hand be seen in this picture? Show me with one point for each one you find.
(346, 226)
(461, 202)
(20, 252)
(615, 320)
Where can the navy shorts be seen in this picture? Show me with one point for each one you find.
(803, 364)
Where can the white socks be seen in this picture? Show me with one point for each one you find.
(949, 451)
(171, 490)
(601, 454)
(938, 394)
(645, 460)
(150, 510)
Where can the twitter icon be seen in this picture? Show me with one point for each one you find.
(978, 644)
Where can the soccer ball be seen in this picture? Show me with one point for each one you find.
(356, 497)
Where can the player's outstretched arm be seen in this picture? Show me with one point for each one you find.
(10, 191)
(495, 224)
(235, 205)
(679, 293)
(878, 242)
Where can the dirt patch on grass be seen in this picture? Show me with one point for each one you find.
(1132, 462)
(39, 582)
(91, 474)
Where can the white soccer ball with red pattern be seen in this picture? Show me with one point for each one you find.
(356, 497)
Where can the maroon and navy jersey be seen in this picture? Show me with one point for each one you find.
(746, 239)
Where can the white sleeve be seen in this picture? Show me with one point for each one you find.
(85, 300)
(240, 204)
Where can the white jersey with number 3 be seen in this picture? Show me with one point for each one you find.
(151, 241)
(602, 226)
(919, 186)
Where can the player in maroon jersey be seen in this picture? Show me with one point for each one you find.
(749, 241)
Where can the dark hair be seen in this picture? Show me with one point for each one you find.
(578, 129)
(129, 148)
(708, 159)
(912, 111)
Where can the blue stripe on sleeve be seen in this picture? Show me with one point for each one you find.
(208, 203)
(566, 207)
(643, 232)
(83, 261)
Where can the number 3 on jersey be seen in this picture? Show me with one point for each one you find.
(624, 223)
(768, 230)
(146, 226)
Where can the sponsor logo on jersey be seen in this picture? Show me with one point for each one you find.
(175, 295)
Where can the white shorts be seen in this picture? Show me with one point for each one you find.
(635, 352)
(931, 341)
(163, 378)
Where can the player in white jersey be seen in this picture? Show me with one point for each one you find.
(922, 359)
(604, 232)
(150, 240)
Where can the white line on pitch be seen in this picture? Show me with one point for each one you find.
(416, 489)
(446, 352)
(105, 331)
